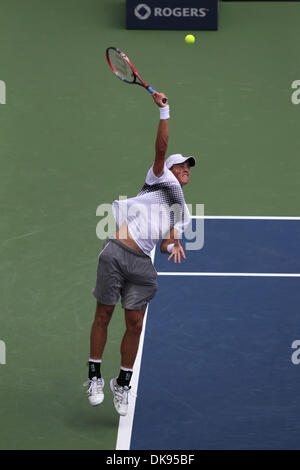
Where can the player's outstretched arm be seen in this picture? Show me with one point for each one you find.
(172, 246)
(162, 137)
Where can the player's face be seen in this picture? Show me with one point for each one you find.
(182, 172)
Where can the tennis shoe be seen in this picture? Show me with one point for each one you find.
(95, 390)
(120, 397)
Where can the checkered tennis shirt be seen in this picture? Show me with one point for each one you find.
(158, 207)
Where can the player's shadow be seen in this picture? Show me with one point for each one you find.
(94, 418)
(83, 418)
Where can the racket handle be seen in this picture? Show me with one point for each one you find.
(151, 90)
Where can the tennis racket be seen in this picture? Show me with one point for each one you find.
(123, 69)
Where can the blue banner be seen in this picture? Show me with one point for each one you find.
(172, 14)
(262, 0)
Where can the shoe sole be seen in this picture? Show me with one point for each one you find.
(96, 404)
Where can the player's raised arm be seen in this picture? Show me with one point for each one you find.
(162, 137)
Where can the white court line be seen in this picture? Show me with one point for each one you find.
(230, 274)
(239, 217)
(126, 422)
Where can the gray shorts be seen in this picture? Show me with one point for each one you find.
(126, 272)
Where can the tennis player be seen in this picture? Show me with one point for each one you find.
(124, 265)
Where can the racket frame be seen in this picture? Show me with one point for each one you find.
(135, 73)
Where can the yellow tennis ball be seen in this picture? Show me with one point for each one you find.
(189, 39)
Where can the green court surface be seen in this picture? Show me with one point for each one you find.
(72, 137)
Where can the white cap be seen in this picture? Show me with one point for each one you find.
(179, 158)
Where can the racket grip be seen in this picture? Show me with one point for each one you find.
(151, 90)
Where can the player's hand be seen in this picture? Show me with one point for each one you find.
(158, 97)
(177, 252)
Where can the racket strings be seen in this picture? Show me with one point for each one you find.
(121, 67)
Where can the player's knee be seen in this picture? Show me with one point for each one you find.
(135, 326)
(103, 314)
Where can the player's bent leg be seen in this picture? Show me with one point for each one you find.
(98, 335)
(130, 343)
(95, 382)
(129, 347)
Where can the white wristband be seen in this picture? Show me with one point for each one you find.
(164, 112)
(170, 247)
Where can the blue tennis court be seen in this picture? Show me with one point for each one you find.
(216, 368)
